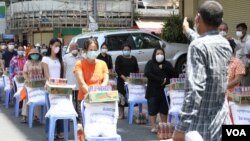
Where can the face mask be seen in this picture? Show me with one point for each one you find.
(126, 53)
(223, 33)
(239, 34)
(56, 49)
(34, 56)
(20, 53)
(43, 51)
(11, 47)
(74, 52)
(3, 47)
(159, 58)
(104, 50)
(91, 55)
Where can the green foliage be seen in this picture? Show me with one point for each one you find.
(172, 29)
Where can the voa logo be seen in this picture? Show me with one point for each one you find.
(236, 132)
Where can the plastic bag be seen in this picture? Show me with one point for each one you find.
(60, 106)
(101, 119)
(193, 136)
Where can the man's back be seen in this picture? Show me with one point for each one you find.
(208, 60)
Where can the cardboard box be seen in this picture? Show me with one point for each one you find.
(102, 96)
(242, 99)
(138, 81)
(59, 89)
(37, 83)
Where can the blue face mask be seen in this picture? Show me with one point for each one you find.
(126, 52)
(91, 55)
(20, 52)
(34, 56)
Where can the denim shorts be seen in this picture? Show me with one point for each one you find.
(157, 105)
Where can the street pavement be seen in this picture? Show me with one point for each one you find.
(12, 130)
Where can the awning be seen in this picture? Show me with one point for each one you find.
(150, 26)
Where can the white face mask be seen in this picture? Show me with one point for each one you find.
(239, 34)
(104, 50)
(11, 47)
(74, 52)
(223, 33)
(159, 58)
(3, 47)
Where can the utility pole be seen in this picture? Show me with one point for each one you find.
(94, 9)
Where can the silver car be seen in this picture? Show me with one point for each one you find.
(142, 43)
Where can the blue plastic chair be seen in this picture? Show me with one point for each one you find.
(115, 138)
(31, 112)
(51, 123)
(173, 117)
(17, 102)
(131, 105)
(8, 94)
(1, 87)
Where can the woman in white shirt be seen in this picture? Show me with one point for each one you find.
(53, 68)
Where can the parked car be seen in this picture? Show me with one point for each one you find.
(142, 44)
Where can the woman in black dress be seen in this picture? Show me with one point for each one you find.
(106, 57)
(124, 65)
(158, 71)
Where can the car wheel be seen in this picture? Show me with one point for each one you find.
(181, 65)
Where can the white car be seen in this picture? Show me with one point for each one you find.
(142, 43)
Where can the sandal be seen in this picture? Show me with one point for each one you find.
(59, 136)
(121, 117)
(24, 119)
(36, 119)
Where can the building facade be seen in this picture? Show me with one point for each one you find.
(235, 11)
(37, 21)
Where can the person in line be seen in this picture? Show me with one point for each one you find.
(70, 60)
(53, 68)
(89, 72)
(205, 108)
(105, 56)
(124, 65)
(158, 72)
(243, 48)
(44, 50)
(17, 63)
(236, 68)
(32, 69)
(8, 54)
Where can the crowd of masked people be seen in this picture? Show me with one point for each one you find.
(88, 65)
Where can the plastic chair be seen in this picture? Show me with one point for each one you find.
(115, 138)
(8, 93)
(51, 123)
(131, 104)
(31, 112)
(173, 117)
(17, 98)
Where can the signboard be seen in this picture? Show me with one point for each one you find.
(8, 36)
(241, 114)
(2, 10)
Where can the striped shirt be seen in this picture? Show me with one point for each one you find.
(205, 108)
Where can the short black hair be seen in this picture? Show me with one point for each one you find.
(242, 25)
(211, 13)
(104, 44)
(224, 23)
(126, 45)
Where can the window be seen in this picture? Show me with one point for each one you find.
(145, 41)
(82, 41)
(115, 42)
